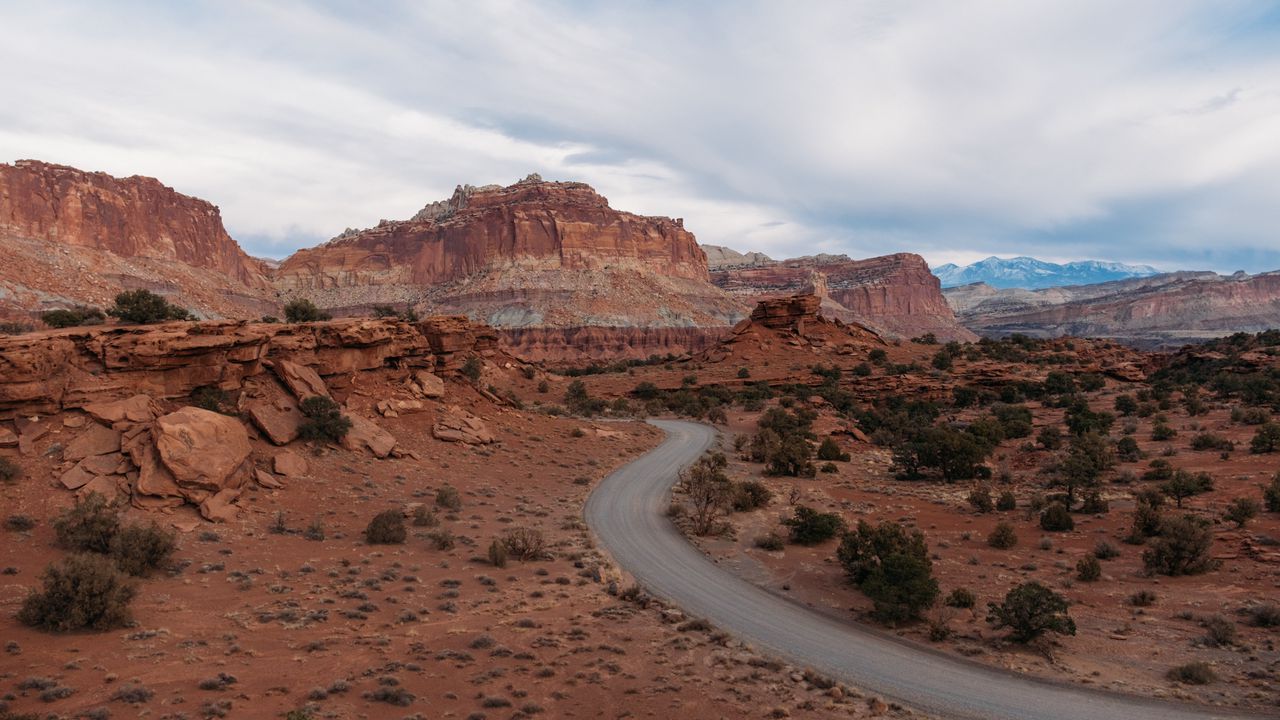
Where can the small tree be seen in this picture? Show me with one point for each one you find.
(1184, 484)
(792, 457)
(1241, 510)
(830, 450)
(1181, 548)
(891, 566)
(145, 307)
(1271, 494)
(810, 527)
(303, 310)
(1030, 610)
(386, 528)
(82, 592)
(709, 492)
(325, 421)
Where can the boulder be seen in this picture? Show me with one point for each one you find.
(278, 420)
(137, 409)
(108, 486)
(429, 384)
(266, 479)
(8, 438)
(301, 380)
(457, 425)
(290, 464)
(77, 477)
(365, 434)
(97, 440)
(220, 507)
(108, 464)
(202, 449)
(154, 479)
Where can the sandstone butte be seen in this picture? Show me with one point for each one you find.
(80, 237)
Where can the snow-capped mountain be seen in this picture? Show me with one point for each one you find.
(1033, 274)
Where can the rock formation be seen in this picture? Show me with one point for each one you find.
(535, 255)
(80, 237)
(1159, 311)
(895, 295)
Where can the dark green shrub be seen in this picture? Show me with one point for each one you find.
(73, 317)
(303, 310)
(1104, 550)
(743, 373)
(1049, 437)
(1094, 504)
(1270, 494)
(1220, 632)
(1241, 510)
(1142, 598)
(1127, 450)
(1126, 405)
(980, 499)
(1193, 673)
(1030, 610)
(1088, 569)
(1056, 518)
(145, 307)
(1181, 548)
(325, 421)
(1266, 615)
(890, 565)
(386, 528)
(1161, 432)
(810, 527)
(19, 523)
(213, 399)
(1267, 439)
(960, 598)
(139, 549)
(1007, 501)
(830, 450)
(9, 471)
(82, 592)
(88, 526)
(1210, 441)
(1003, 536)
(473, 367)
(750, 495)
(1184, 484)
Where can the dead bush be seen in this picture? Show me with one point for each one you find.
(525, 543)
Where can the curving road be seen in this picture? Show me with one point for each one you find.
(627, 514)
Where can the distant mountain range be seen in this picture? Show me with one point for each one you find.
(1033, 274)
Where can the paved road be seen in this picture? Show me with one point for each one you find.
(627, 514)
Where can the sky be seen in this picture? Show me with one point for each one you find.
(1141, 131)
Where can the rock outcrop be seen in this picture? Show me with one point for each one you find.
(1159, 311)
(80, 237)
(895, 295)
(534, 255)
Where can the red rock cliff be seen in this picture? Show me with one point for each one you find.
(131, 217)
(894, 294)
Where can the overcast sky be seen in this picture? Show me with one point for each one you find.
(1132, 131)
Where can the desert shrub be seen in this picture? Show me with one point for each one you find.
(1210, 441)
(772, 542)
(1094, 503)
(72, 317)
(1126, 405)
(19, 523)
(810, 527)
(386, 528)
(422, 517)
(1104, 550)
(325, 421)
(1142, 598)
(139, 549)
(750, 495)
(1003, 536)
(1249, 416)
(498, 554)
(1241, 510)
(980, 499)
(890, 565)
(525, 543)
(1193, 673)
(448, 497)
(1088, 569)
(82, 592)
(1030, 610)
(1147, 520)
(314, 531)
(1267, 438)
(442, 539)
(1161, 432)
(830, 450)
(1220, 632)
(88, 526)
(15, 328)
(212, 398)
(303, 310)
(1056, 518)
(1127, 450)
(1181, 548)
(791, 457)
(133, 694)
(1266, 615)
(954, 454)
(1159, 469)
(1007, 501)
(9, 471)
(1049, 437)
(962, 598)
(1271, 494)
(144, 307)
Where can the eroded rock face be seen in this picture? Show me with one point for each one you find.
(456, 425)
(895, 295)
(532, 255)
(72, 235)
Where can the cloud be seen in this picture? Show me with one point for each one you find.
(1145, 131)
